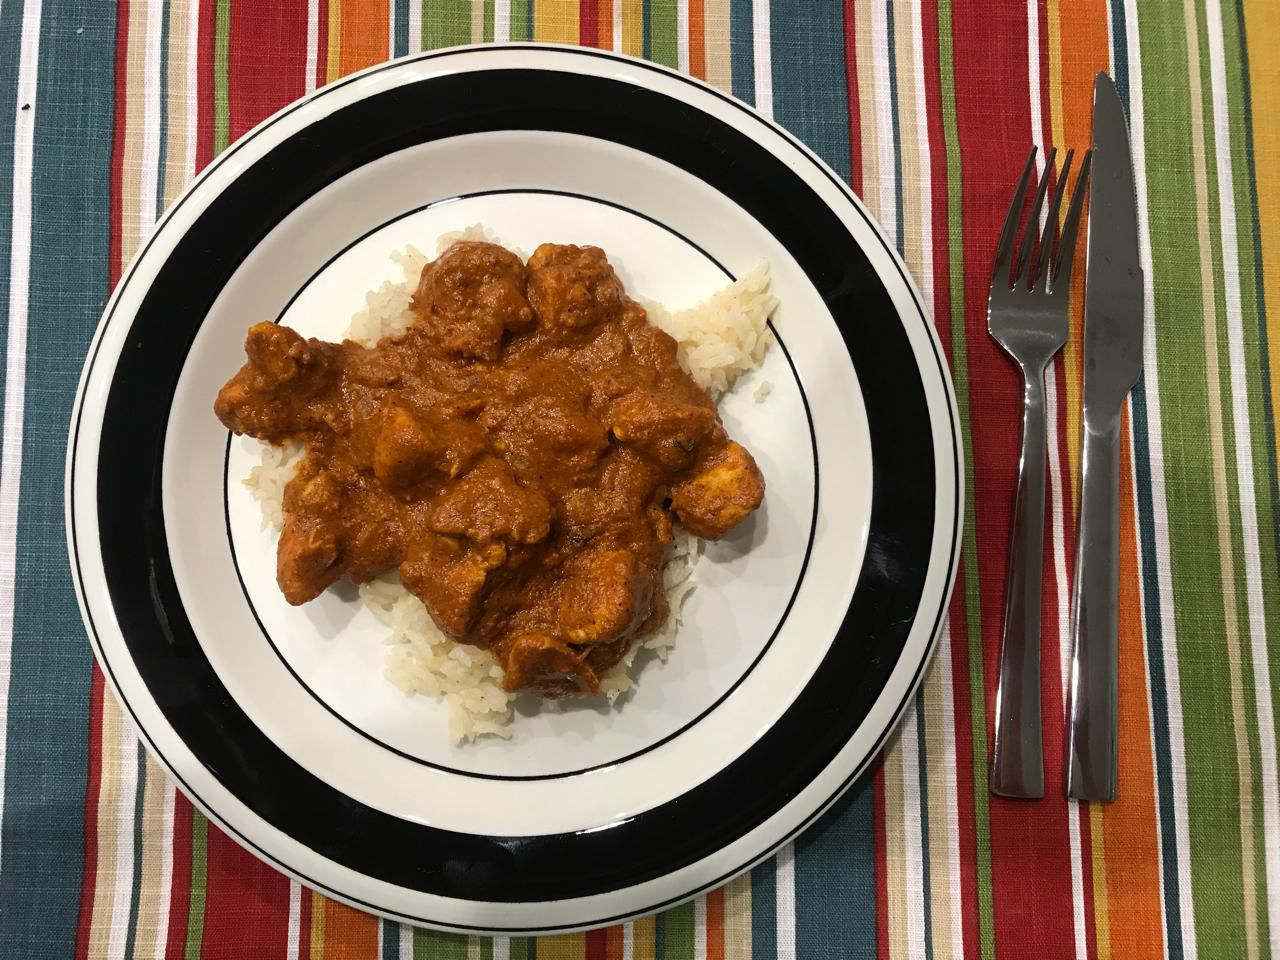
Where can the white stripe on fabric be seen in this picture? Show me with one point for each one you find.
(1256, 616)
(763, 52)
(406, 938)
(313, 43)
(682, 35)
(912, 835)
(784, 886)
(700, 928)
(947, 778)
(501, 948)
(886, 210)
(391, 28)
(628, 940)
(15, 380)
(1159, 510)
(293, 944)
(125, 818)
(501, 21)
(415, 38)
(165, 895)
(617, 26)
(192, 86)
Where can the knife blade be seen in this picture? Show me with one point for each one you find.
(1113, 323)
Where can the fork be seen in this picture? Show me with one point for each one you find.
(1027, 316)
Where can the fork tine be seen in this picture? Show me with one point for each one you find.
(1067, 246)
(1033, 223)
(1051, 224)
(1011, 219)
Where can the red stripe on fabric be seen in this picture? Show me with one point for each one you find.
(246, 901)
(588, 23)
(1030, 851)
(180, 885)
(267, 60)
(93, 784)
(116, 214)
(596, 945)
(966, 822)
(322, 43)
(851, 89)
(882, 863)
(204, 84)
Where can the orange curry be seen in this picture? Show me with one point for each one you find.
(519, 454)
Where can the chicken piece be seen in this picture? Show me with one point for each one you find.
(662, 428)
(270, 396)
(488, 504)
(571, 286)
(469, 296)
(451, 580)
(726, 487)
(607, 595)
(408, 447)
(548, 667)
(309, 551)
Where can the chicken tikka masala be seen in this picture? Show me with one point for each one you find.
(519, 453)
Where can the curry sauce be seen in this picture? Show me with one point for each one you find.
(519, 454)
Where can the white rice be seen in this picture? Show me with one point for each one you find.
(719, 340)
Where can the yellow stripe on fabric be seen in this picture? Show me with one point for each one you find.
(940, 802)
(1226, 558)
(564, 946)
(911, 232)
(737, 918)
(178, 160)
(556, 21)
(644, 939)
(867, 113)
(895, 853)
(477, 21)
(134, 120)
(1097, 848)
(1262, 27)
(716, 40)
(156, 866)
(318, 903)
(107, 874)
(632, 27)
(333, 48)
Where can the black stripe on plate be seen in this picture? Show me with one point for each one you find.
(742, 795)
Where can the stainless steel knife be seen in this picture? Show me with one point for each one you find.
(1113, 323)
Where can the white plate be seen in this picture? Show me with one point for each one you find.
(810, 627)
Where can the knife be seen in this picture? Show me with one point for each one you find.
(1113, 320)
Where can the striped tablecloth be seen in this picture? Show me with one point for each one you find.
(927, 107)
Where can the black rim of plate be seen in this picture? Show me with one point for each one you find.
(656, 842)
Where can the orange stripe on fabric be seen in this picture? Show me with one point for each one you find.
(604, 28)
(349, 934)
(715, 924)
(364, 34)
(1132, 854)
(1262, 28)
(697, 39)
(556, 21)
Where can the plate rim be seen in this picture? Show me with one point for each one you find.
(955, 462)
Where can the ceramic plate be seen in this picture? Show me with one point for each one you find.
(808, 631)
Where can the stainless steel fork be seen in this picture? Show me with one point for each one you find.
(1027, 316)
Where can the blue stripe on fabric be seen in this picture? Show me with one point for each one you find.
(742, 55)
(401, 35)
(139, 828)
(10, 40)
(836, 881)
(897, 127)
(47, 744)
(646, 28)
(161, 185)
(390, 940)
(922, 760)
(764, 911)
(1151, 579)
(810, 91)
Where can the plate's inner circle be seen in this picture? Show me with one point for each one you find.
(335, 647)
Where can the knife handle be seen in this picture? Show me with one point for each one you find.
(1092, 722)
(1017, 753)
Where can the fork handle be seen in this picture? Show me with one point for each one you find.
(1092, 721)
(1017, 764)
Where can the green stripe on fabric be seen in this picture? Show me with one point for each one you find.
(522, 948)
(664, 43)
(764, 907)
(836, 880)
(221, 76)
(742, 55)
(432, 945)
(969, 549)
(1208, 737)
(488, 21)
(809, 92)
(46, 741)
(486, 947)
(445, 23)
(199, 885)
(521, 19)
(674, 934)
